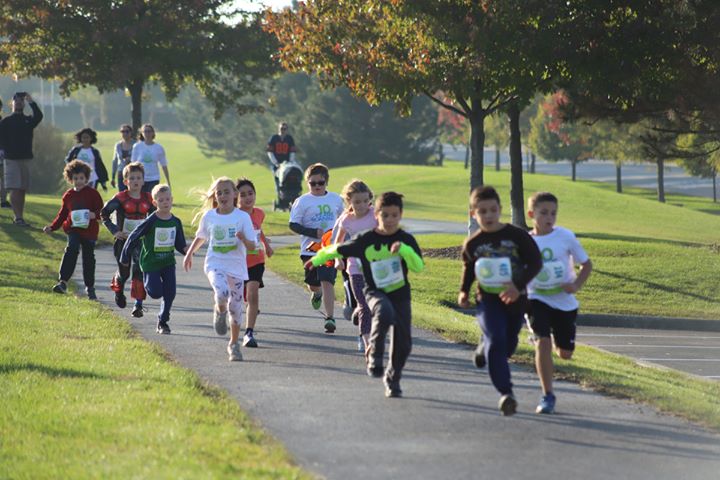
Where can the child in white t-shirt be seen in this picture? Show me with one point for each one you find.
(230, 234)
(311, 216)
(553, 304)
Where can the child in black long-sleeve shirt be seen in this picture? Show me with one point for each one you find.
(504, 259)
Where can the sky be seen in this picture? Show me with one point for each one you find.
(260, 4)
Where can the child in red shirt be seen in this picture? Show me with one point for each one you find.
(78, 217)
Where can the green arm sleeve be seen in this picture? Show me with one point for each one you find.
(412, 259)
(328, 253)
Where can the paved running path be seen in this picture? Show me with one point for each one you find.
(310, 391)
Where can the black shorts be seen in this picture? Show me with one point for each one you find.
(255, 273)
(318, 274)
(543, 319)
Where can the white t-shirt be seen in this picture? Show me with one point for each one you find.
(560, 251)
(87, 156)
(150, 156)
(313, 211)
(225, 252)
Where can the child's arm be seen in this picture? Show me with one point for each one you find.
(410, 253)
(113, 205)
(582, 276)
(266, 241)
(339, 238)
(135, 237)
(59, 218)
(245, 233)
(180, 243)
(100, 169)
(331, 252)
(468, 276)
(187, 261)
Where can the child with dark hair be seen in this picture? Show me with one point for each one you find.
(131, 207)
(78, 217)
(503, 258)
(86, 138)
(386, 253)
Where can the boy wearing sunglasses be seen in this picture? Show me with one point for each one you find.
(311, 216)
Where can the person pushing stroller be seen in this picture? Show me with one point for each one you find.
(287, 172)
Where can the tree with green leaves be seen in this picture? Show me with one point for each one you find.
(482, 55)
(126, 44)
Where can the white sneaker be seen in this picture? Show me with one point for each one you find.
(220, 322)
(361, 344)
(234, 354)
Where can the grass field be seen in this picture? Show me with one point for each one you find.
(83, 396)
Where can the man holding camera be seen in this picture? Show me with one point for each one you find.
(16, 139)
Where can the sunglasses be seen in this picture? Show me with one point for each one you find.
(125, 131)
(317, 184)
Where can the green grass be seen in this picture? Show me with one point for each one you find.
(436, 288)
(83, 396)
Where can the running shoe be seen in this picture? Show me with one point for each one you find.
(347, 312)
(20, 222)
(137, 310)
(233, 350)
(507, 405)
(361, 344)
(249, 340)
(163, 328)
(120, 300)
(60, 287)
(329, 325)
(392, 389)
(220, 322)
(91, 293)
(479, 356)
(547, 404)
(316, 300)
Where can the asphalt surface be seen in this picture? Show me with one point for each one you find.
(310, 391)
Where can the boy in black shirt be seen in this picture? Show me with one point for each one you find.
(386, 254)
(504, 259)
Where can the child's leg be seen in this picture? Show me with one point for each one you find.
(539, 323)
(88, 256)
(70, 256)
(123, 271)
(153, 284)
(493, 320)
(357, 283)
(236, 306)
(327, 276)
(137, 291)
(252, 289)
(169, 289)
(400, 341)
(383, 314)
(220, 285)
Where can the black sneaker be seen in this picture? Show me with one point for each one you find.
(91, 293)
(60, 287)
(120, 299)
(137, 311)
(479, 356)
(163, 328)
(507, 405)
(392, 389)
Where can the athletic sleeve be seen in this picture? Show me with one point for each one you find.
(72, 154)
(135, 237)
(180, 243)
(468, 268)
(531, 259)
(62, 214)
(111, 206)
(37, 115)
(411, 254)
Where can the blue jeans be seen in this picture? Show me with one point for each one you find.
(161, 283)
(69, 259)
(500, 326)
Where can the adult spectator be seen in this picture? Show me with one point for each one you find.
(16, 139)
(122, 155)
(84, 151)
(280, 148)
(3, 193)
(150, 154)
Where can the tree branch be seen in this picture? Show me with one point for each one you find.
(445, 105)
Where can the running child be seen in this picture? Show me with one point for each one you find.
(131, 207)
(255, 258)
(311, 216)
(503, 258)
(553, 304)
(386, 253)
(230, 234)
(358, 217)
(161, 233)
(78, 217)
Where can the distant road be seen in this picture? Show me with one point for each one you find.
(643, 175)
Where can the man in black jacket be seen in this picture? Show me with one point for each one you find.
(16, 138)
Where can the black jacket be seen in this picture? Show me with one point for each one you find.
(100, 169)
(16, 133)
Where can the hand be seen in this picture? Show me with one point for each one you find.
(462, 300)
(112, 183)
(120, 235)
(187, 262)
(395, 247)
(320, 233)
(510, 294)
(92, 216)
(309, 266)
(268, 250)
(339, 264)
(570, 287)
(240, 236)
(47, 229)
(28, 98)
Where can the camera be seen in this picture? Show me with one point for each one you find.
(20, 95)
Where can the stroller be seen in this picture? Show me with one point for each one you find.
(288, 179)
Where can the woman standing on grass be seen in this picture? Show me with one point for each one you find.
(121, 156)
(150, 154)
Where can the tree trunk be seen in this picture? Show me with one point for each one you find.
(467, 154)
(497, 159)
(714, 177)
(517, 197)
(661, 179)
(532, 162)
(136, 89)
(618, 177)
(477, 143)
(573, 162)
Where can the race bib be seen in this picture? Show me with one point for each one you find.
(258, 243)
(551, 278)
(387, 274)
(80, 218)
(130, 224)
(493, 273)
(164, 239)
(224, 239)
